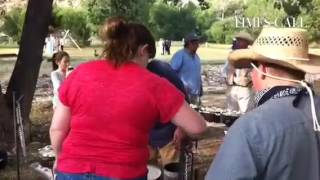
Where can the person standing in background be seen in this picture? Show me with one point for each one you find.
(239, 94)
(168, 46)
(186, 63)
(160, 46)
(49, 46)
(61, 43)
(60, 62)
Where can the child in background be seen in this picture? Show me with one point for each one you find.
(61, 62)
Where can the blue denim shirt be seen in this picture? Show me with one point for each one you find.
(275, 141)
(188, 67)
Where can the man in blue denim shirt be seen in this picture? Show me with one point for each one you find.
(186, 63)
(279, 139)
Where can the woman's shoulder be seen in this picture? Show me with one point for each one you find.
(90, 63)
(55, 73)
(155, 81)
(89, 66)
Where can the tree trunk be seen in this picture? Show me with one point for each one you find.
(6, 125)
(25, 74)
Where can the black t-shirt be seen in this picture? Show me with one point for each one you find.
(162, 134)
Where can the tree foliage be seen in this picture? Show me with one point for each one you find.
(263, 10)
(13, 23)
(258, 8)
(203, 4)
(222, 31)
(76, 20)
(134, 10)
(293, 7)
(204, 20)
(220, 26)
(172, 19)
(172, 22)
(312, 21)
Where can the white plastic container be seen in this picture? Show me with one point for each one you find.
(154, 173)
(171, 171)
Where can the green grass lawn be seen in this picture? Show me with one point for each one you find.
(8, 50)
(209, 54)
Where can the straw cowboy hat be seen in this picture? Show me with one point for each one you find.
(244, 36)
(286, 47)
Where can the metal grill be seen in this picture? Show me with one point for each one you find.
(187, 161)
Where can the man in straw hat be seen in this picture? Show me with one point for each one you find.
(238, 80)
(279, 139)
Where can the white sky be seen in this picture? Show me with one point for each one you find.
(194, 1)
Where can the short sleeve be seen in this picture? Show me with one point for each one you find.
(68, 90)
(168, 100)
(176, 61)
(164, 70)
(56, 82)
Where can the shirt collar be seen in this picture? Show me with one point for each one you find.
(275, 93)
(189, 53)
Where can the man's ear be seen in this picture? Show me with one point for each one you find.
(263, 68)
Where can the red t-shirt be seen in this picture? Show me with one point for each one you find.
(112, 113)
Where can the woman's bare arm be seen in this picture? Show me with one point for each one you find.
(60, 126)
(189, 120)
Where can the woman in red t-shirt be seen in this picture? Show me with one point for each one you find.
(108, 107)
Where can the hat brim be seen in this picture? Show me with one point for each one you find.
(250, 40)
(193, 39)
(241, 58)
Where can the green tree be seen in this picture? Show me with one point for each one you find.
(263, 10)
(204, 20)
(133, 10)
(293, 8)
(222, 31)
(172, 22)
(13, 23)
(203, 4)
(76, 20)
(223, 24)
(258, 8)
(311, 21)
